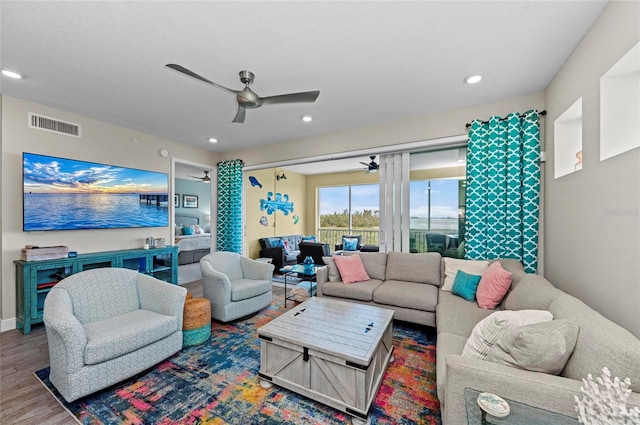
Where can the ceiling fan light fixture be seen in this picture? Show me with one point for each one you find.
(473, 79)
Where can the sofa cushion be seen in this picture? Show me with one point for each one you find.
(490, 329)
(601, 343)
(271, 242)
(292, 256)
(532, 292)
(493, 286)
(465, 285)
(361, 291)
(422, 268)
(375, 263)
(514, 267)
(332, 269)
(243, 289)
(540, 347)
(294, 242)
(416, 296)
(456, 315)
(119, 335)
(351, 268)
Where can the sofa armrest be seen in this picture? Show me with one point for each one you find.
(252, 269)
(161, 297)
(541, 390)
(322, 276)
(216, 286)
(66, 337)
(276, 254)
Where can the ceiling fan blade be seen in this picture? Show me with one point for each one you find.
(304, 97)
(196, 177)
(192, 74)
(364, 163)
(240, 115)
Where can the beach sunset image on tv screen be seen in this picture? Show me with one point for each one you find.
(66, 194)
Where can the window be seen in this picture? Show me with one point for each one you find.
(352, 210)
(437, 216)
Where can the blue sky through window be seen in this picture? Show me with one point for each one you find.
(444, 198)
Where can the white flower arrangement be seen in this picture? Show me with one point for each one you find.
(606, 406)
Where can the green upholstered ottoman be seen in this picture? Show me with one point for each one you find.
(196, 323)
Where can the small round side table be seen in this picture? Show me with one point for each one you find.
(196, 321)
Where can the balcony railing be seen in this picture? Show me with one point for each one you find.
(417, 239)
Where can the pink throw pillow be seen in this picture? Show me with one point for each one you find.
(493, 286)
(351, 268)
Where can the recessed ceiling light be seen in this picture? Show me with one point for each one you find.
(307, 118)
(213, 140)
(472, 79)
(11, 74)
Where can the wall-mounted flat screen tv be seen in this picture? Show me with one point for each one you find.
(67, 194)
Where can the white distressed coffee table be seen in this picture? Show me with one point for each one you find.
(333, 352)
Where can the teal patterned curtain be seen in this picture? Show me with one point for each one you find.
(229, 226)
(503, 189)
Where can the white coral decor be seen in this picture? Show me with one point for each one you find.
(606, 406)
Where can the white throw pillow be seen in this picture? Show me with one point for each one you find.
(452, 265)
(490, 329)
(332, 269)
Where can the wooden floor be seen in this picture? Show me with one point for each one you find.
(23, 399)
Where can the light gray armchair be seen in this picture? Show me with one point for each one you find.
(106, 325)
(237, 286)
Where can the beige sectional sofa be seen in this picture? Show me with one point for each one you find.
(410, 285)
(405, 283)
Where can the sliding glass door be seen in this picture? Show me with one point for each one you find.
(422, 202)
(349, 210)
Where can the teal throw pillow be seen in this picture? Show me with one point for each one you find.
(311, 238)
(465, 285)
(350, 244)
(187, 230)
(273, 242)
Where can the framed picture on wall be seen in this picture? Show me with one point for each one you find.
(176, 200)
(189, 201)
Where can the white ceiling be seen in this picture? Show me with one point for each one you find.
(373, 62)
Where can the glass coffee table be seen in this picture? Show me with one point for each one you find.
(298, 271)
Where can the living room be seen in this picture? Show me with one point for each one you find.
(590, 222)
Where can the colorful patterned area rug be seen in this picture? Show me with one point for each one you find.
(217, 383)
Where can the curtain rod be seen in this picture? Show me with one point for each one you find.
(543, 113)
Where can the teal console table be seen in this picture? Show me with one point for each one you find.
(34, 279)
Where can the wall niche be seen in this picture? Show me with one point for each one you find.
(620, 106)
(567, 136)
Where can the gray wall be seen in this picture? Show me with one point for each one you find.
(203, 192)
(592, 237)
(101, 142)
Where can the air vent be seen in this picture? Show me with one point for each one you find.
(51, 124)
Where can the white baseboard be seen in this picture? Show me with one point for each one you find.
(8, 324)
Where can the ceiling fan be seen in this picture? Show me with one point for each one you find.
(246, 97)
(373, 166)
(205, 179)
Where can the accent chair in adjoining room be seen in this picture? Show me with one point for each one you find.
(106, 325)
(237, 286)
